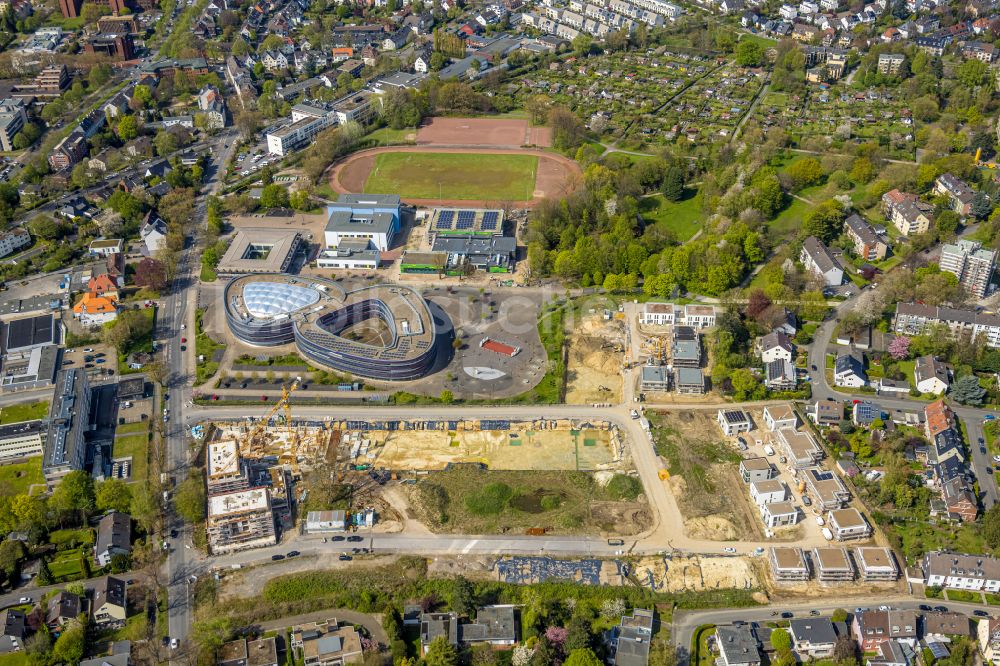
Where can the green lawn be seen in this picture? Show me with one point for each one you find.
(26, 411)
(454, 176)
(138, 343)
(84, 535)
(682, 218)
(18, 478)
(65, 566)
(15, 659)
(139, 427)
(136, 446)
(788, 223)
(204, 346)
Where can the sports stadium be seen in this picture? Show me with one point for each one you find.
(377, 332)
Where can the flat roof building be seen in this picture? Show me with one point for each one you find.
(832, 563)
(756, 469)
(21, 440)
(788, 563)
(654, 378)
(690, 380)
(847, 524)
(240, 520)
(260, 250)
(799, 446)
(876, 564)
(69, 419)
(734, 421)
(374, 217)
(30, 332)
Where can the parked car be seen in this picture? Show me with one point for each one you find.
(980, 613)
(276, 558)
(355, 538)
(24, 600)
(293, 553)
(344, 557)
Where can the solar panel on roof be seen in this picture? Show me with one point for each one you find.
(445, 218)
(490, 220)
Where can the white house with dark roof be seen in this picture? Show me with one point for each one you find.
(816, 259)
(776, 346)
(930, 375)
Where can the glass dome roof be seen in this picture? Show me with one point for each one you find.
(267, 299)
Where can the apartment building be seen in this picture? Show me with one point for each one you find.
(889, 64)
(832, 564)
(914, 319)
(14, 240)
(240, 520)
(876, 564)
(957, 190)
(226, 472)
(872, 628)
(867, 244)
(788, 563)
(962, 572)
(69, 151)
(12, 121)
(799, 447)
(816, 259)
(847, 524)
(307, 121)
(971, 263)
(907, 212)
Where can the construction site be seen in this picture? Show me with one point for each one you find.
(278, 467)
(595, 359)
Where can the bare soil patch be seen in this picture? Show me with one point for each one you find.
(483, 132)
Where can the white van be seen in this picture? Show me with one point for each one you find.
(768, 449)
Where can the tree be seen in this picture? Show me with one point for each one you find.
(68, 648)
(46, 228)
(972, 73)
(274, 196)
(781, 640)
(189, 499)
(151, 273)
(946, 224)
(805, 171)
(583, 44)
(577, 633)
(128, 128)
(447, 397)
(967, 390)
(438, 61)
(991, 526)
(899, 348)
(582, 657)
(166, 143)
(749, 53)
(845, 650)
(673, 184)
(567, 129)
(757, 303)
(113, 495)
(981, 206)
(746, 385)
(839, 615)
(463, 599)
(824, 221)
(441, 653)
(74, 494)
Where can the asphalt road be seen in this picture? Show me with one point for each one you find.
(971, 417)
(175, 313)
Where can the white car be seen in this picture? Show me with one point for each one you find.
(88, 350)
(996, 458)
(174, 643)
(25, 600)
(184, 327)
(729, 549)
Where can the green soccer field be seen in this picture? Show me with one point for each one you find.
(454, 176)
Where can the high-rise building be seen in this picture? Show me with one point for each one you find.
(971, 263)
(70, 8)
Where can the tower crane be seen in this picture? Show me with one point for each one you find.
(251, 446)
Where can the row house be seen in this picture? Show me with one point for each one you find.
(914, 319)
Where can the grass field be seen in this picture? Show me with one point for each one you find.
(468, 500)
(454, 176)
(26, 411)
(136, 446)
(682, 218)
(17, 479)
(65, 566)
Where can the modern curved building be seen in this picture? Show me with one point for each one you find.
(328, 324)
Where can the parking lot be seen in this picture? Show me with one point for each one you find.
(252, 160)
(100, 361)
